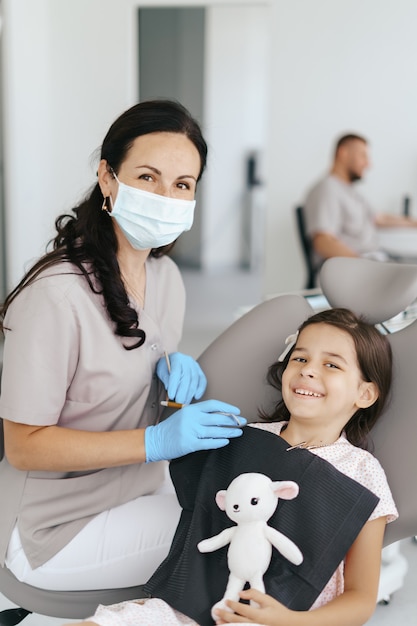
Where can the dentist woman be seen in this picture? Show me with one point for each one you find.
(91, 334)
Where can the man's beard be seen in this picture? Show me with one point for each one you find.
(354, 176)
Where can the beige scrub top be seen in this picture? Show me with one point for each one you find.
(64, 365)
(337, 208)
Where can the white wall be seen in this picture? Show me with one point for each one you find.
(67, 74)
(335, 66)
(338, 66)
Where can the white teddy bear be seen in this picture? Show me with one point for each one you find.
(250, 501)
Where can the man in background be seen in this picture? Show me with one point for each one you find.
(339, 221)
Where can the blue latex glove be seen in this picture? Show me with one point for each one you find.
(186, 380)
(195, 427)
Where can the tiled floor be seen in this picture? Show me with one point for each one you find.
(214, 301)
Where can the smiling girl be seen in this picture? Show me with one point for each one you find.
(334, 381)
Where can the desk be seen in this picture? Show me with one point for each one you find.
(399, 241)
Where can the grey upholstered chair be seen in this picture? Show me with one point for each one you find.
(379, 291)
(236, 363)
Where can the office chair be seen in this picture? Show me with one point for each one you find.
(236, 364)
(307, 248)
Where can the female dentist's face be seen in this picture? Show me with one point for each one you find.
(152, 194)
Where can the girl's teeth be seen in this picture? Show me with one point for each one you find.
(304, 392)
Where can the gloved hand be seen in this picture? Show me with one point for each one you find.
(199, 426)
(186, 379)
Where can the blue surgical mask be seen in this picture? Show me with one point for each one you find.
(149, 220)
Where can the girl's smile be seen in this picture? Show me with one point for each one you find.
(308, 393)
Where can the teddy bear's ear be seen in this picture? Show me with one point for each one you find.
(221, 499)
(286, 489)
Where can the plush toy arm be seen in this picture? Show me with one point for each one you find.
(218, 541)
(284, 545)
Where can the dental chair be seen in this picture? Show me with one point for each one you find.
(379, 291)
(236, 364)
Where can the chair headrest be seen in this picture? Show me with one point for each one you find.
(374, 289)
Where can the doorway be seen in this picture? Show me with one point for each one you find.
(171, 65)
(214, 59)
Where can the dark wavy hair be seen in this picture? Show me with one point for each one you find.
(374, 355)
(87, 236)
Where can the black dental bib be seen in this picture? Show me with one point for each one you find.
(323, 521)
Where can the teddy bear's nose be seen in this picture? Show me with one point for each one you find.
(236, 507)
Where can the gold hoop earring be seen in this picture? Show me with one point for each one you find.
(107, 202)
